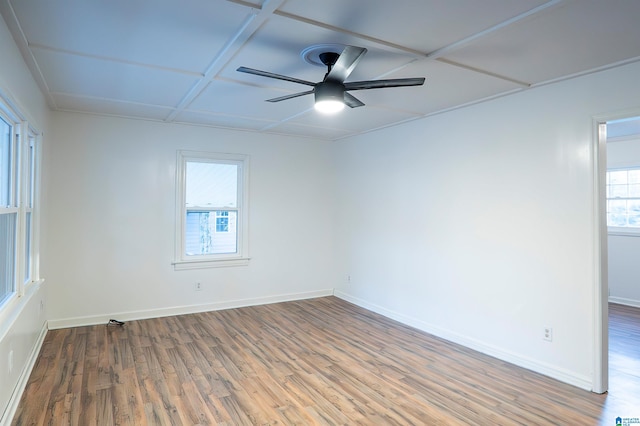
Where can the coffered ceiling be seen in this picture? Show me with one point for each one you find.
(176, 61)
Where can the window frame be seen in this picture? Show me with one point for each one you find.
(241, 256)
(620, 230)
(24, 200)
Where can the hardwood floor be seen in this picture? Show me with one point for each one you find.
(321, 361)
(624, 362)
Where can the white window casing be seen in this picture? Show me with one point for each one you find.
(212, 199)
(19, 203)
(623, 201)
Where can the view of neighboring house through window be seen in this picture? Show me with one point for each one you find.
(18, 164)
(623, 198)
(212, 217)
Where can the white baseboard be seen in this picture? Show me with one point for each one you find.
(11, 408)
(583, 382)
(624, 301)
(182, 310)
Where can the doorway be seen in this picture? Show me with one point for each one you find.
(617, 218)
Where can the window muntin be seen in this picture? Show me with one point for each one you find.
(623, 198)
(212, 210)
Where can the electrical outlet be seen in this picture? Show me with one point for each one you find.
(348, 278)
(197, 286)
(548, 334)
(10, 361)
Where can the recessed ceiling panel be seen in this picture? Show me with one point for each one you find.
(240, 99)
(112, 80)
(571, 38)
(422, 25)
(446, 86)
(108, 107)
(184, 35)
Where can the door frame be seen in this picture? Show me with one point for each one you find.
(600, 380)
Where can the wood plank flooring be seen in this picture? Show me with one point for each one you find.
(321, 361)
(624, 362)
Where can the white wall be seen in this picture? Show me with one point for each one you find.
(22, 323)
(112, 215)
(477, 225)
(624, 269)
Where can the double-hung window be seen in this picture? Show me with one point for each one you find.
(211, 222)
(18, 166)
(623, 200)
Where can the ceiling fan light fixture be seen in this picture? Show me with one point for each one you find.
(329, 106)
(329, 97)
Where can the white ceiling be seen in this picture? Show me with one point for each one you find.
(176, 61)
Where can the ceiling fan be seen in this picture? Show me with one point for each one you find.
(331, 93)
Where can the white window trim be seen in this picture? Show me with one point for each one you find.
(241, 258)
(623, 231)
(24, 131)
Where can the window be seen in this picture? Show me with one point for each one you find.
(211, 210)
(222, 222)
(8, 210)
(18, 166)
(623, 199)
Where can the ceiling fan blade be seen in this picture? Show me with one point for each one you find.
(295, 95)
(276, 76)
(352, 101)
(345, 64)
(379, 84)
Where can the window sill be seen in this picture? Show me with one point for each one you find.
(623, 232)
(183, 265)
(14, 306)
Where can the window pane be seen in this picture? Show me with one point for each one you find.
(211, 185)
(614, 219)
(634, 220)
(202, 236)
(633, 206)
(5, 163)
(7, 254)
(634, 190)
(617, 206)
(30, 173)
(619, 177)
(634, 176)
(618, 191)
(27, 249)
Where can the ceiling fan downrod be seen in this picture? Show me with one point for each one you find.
(329, 59)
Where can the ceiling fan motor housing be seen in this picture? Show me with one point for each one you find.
(329, 90)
